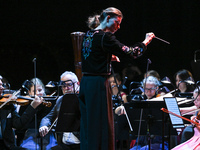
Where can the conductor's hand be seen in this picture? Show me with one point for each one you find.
(36, 102)
(43, 131)
(148, 38)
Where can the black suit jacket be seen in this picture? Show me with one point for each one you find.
(11, 120)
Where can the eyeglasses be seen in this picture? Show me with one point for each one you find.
(150, 89)
(67, 84)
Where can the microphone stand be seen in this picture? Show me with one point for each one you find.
(34, 62)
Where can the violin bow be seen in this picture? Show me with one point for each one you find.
(167, 111)
(53, 124)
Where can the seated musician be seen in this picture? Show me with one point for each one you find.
(183, 87)
(114, 87)
(152, 73)
(9, 119)
(120, 123)
(164, 89)
(69, 140)
(190, 138)
(31, 140)
(151, 86)
(182, 75)
(188, 132)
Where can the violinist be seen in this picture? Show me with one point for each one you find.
(182, 75)
(190, 138)
(31, 139)
(114, 87)
(151, 87)
(120, 123)
(9, 119)
(69, 140)
(188, 132)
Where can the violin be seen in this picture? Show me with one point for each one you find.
(24, 100)
(20, 100)
(194, 122)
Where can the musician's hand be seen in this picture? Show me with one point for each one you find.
(148, 38)
(120, 110)
(14, 98)
(36, 102)
(193, 118)
(43, 131)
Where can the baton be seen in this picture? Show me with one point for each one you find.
(161, 40)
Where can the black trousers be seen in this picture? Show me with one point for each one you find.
(94, 113)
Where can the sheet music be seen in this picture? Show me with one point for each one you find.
(172, 106)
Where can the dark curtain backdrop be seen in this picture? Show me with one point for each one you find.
(41, 29)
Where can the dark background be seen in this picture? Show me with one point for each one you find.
(41, 29)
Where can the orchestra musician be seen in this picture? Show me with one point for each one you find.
(116, 87)
(9, 119)
(120, 123)
(183, 87)
(69, 140)
(182, 75)
(152, 73)
(151, 86)
(32, 140)
(99, 44)
(190, 138)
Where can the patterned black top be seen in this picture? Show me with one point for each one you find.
(98, 47)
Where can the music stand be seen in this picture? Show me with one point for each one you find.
(69, 114)
(172, 105)
(153, 119)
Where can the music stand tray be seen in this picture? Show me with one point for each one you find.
(69, 114)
